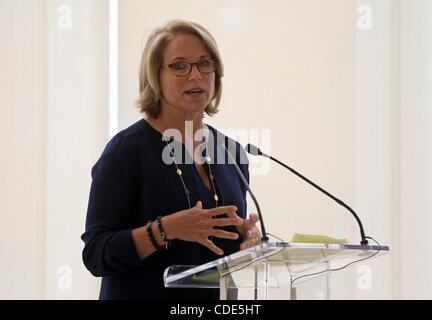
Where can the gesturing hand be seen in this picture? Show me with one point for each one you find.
(197, 225)
(251, 234)
(249, 231)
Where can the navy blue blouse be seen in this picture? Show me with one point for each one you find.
(132, 185)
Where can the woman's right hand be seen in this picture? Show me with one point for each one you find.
(197, 225)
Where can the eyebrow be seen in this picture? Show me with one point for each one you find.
(183, 58)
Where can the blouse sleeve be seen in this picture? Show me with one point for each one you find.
(109, 247)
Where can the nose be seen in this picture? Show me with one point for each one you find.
(195, 73)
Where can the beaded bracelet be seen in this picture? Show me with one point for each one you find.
(161, 230)
(152, 238)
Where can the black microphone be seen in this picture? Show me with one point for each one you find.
(264, 237)
(257, 152)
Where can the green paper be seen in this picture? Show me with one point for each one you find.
(210, 276)
(313, 238)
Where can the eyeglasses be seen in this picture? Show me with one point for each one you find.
(183, 68)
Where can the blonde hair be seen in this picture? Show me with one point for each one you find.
(151, 61)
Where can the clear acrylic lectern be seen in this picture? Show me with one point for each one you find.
(271, 270)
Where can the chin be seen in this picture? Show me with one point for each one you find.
(194, 107)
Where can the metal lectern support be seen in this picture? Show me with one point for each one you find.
(327, 280)
(224, 286)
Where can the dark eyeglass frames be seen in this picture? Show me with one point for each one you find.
(183, 68)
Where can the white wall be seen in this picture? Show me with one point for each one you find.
(416, 149)
(349, 107)
(22, 136)
(393, 146)
(77, 82)
(289, 67)
(375, 107)
(335, 93)
(54, 80)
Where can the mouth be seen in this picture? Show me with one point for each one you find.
(195, 92)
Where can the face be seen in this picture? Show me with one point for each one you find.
(177, 91)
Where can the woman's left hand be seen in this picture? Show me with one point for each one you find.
(250, 233)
